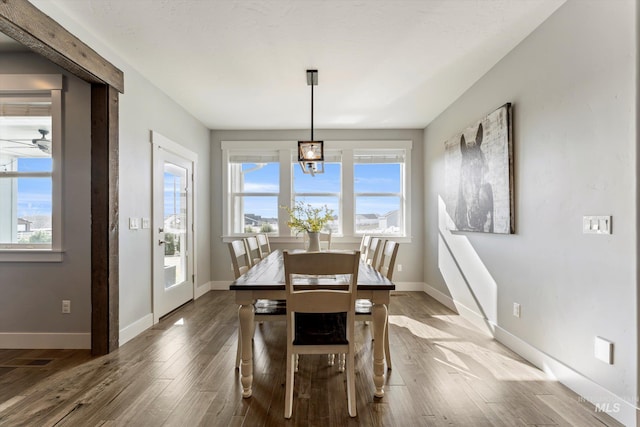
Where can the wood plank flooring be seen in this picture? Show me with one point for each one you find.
(181, 373)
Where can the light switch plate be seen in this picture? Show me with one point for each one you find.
(134, 223)
(146, 223)
(599, 224)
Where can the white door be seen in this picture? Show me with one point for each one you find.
(173, 276)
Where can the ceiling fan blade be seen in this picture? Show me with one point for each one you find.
(19, 141)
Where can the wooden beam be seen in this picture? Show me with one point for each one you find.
(104, 220)
(25, 23)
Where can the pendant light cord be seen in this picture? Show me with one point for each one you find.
(312, 107)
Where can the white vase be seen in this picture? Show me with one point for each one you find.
(314, 241)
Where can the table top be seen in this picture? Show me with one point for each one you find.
(268, 274)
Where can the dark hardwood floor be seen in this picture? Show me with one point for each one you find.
(181, 373)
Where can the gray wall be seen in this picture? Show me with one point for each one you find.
(573, 84)
(31, 293)
(408, 254)
(143, 107)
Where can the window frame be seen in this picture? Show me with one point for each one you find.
(234, 195)
(287, 150)
(49, 85)
(401, 195)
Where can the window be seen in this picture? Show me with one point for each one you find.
(378, 191)
(254, 192)
(30, 155)
(322, 189)
(366, 184)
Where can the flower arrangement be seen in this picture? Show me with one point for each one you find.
(304, 217)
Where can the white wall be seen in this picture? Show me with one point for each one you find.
(143, 108)
(408, 254)
(573, 84)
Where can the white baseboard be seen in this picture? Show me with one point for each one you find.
(442, 298)
(220, 285)
(604, 400)
(43, 340)
(409, 286)
(201, 290)
(136, 328)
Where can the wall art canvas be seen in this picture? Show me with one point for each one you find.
(479, 176)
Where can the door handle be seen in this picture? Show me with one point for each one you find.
(161, 242)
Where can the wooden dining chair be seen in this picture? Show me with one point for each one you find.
(372, 252)
(239, 257)
(364, 246)
(263, 245)
(386, 266)
(264, 309)
(324, 237)
(388, 256)
(253, 248)
(320, 320)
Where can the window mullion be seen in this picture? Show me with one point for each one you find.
(286, 187)
(56, 155)
(347, 200)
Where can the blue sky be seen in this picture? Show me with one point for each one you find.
(34, 194)
(369, 178)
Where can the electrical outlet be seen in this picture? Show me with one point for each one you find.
(604, 350)
(399, 267)
(66, 306)
(516, 309)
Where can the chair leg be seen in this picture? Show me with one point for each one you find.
(387, 352)
(351, 383)
(331, 359)
(341, 362)
(288, 392)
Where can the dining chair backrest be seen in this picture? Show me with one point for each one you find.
(316, 323)
(239, 257)
(364, 246)
(264, 245)
(321, 264)
(374, 249)
(324, 237)
(253, 248)
(388, 255)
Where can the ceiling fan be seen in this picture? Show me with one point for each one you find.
(42, 143)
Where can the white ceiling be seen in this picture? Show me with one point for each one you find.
(240, 64)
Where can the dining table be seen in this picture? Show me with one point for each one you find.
(266, 280)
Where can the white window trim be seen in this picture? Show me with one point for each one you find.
(286, 151)
(50, 84)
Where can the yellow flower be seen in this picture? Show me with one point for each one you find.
(304, 217)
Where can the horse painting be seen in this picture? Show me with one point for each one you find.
(474, 210)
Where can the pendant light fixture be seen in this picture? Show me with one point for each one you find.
(311, 153)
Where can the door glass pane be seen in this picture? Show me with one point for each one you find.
(175, 224)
